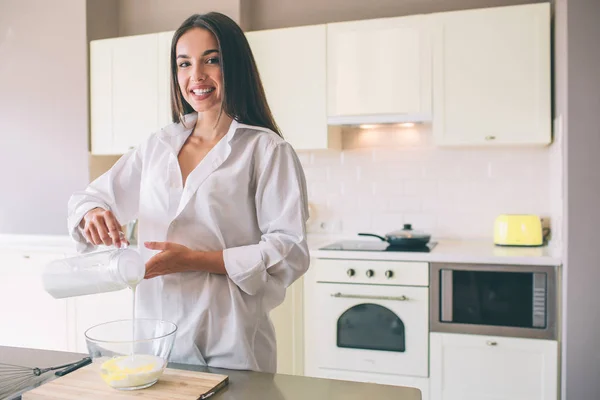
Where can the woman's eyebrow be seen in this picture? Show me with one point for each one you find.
(207, 52)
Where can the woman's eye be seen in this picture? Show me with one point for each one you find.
(184, 64)
(213, 60)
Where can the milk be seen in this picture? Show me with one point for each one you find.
(90, 273)
(100, 272)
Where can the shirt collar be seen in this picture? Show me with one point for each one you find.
(175, 134)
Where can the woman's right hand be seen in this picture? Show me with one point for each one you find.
(101, 227)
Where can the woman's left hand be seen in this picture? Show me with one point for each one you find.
(173, 258)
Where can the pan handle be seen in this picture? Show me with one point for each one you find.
(374, 235)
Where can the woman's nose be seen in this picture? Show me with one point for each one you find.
(198, 74)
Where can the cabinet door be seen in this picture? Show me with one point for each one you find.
(491, 70)
(289, 331)
(101, 122)
(135, 90)
(124, 92)
(292, 66)
(30, 316)
(98, 308)
(473, 367)
(164, 78)
(380, 66)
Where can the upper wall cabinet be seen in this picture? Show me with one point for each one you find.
(379, 71)
(292, 66)
(125, 101)
(491, 76)
(164, 78)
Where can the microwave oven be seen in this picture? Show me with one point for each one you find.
(498, 300)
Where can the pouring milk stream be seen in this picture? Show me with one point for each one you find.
(101, 272)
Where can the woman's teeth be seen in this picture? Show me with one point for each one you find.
(199, 92)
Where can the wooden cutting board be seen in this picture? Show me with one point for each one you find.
(86, 383)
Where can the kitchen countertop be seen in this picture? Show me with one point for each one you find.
(51, 243)
(246, 385)
(479, 251)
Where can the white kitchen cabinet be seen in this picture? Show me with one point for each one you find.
(164, 78)
(491, 76)
(30, 316)
(288, 321)
(292, 66)
(379, 70)
(125, 92)
(474, 367)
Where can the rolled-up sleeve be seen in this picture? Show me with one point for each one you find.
(116, 190)
(281, 256)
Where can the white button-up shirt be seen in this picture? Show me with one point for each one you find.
(248, 198)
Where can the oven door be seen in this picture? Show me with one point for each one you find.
(373, 328)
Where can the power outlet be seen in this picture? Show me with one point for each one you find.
(328, 226)
(322, 220)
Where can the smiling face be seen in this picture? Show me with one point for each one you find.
(199, 70)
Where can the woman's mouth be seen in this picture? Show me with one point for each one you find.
(201, 94)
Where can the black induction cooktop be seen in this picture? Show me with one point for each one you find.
(373, 245)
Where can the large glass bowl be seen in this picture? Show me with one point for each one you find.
(131, 355)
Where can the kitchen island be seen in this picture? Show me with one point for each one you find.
(246, 385)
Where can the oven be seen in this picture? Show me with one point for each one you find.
(371, 320)
(499, 300)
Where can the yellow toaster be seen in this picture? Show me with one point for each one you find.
(518, 230)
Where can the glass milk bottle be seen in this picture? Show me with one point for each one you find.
(97, 272)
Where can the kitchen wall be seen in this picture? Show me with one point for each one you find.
(386, 177)
(270, 14)
(102, 19)
(43, 112)
(578, 32)
(137, 17)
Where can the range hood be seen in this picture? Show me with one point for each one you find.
(379, 119)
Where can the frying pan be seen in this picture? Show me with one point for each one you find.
(406, 237)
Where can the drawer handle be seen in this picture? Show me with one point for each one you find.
(490, 137)
(358, 296)
(491, 343)
(26, 256)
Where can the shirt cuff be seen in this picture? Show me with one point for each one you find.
(246, 268)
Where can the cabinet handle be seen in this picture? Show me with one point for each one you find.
(491, 343)
(26, 256)
(490, 137)
(358, 296)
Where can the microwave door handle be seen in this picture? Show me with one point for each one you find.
(446, 295)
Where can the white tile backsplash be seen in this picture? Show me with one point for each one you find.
(387, 177)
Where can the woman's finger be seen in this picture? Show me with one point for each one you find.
(93, 234)
(157, 245)
(113, 228)
(102, 230)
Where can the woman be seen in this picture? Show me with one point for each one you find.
(220, 200)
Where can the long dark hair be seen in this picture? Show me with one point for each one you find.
(243, 95)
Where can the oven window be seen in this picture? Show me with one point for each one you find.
(492, 298)
(371, 327)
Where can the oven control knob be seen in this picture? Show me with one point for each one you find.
(350, 272)
(370, 273)
(389, 273)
